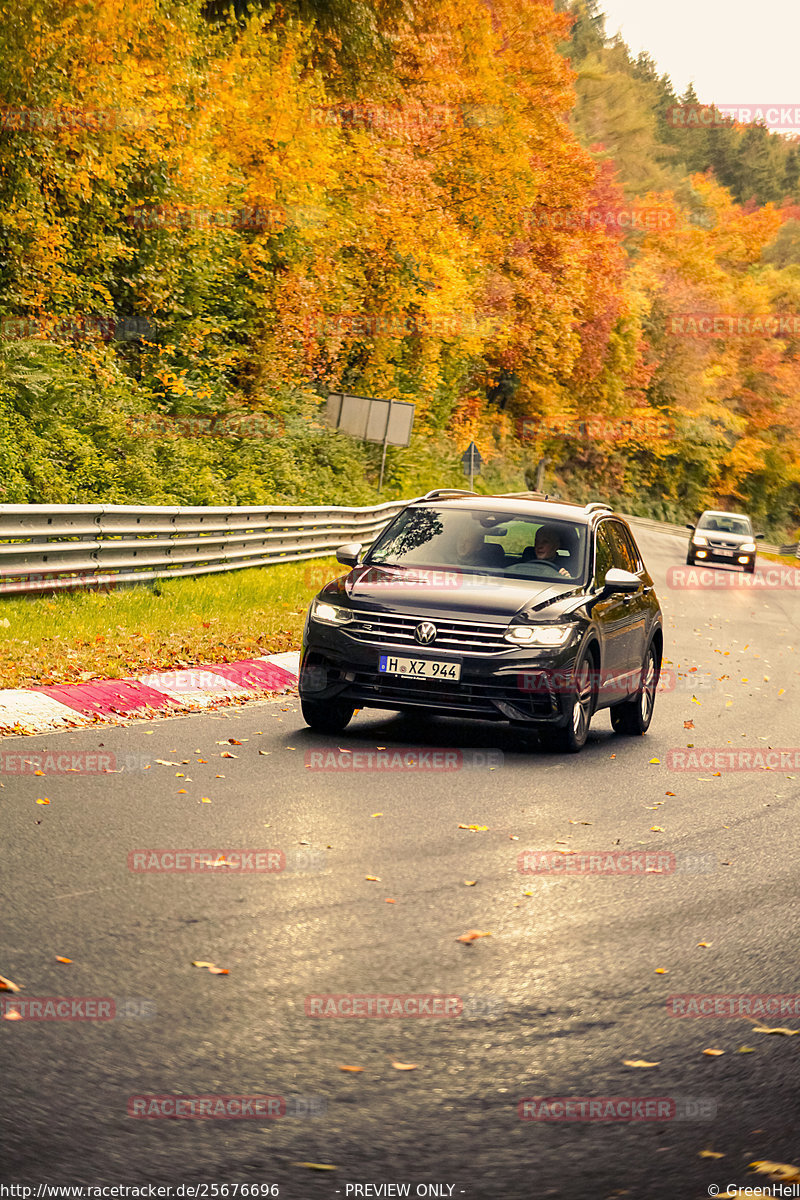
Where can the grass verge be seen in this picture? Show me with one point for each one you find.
(173, 623)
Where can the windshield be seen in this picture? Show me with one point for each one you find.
(507, 546)
(724, 523)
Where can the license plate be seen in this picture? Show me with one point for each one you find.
(726, 553)
(420, 668)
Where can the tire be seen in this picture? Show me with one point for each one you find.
(689, 560)
(571, 739)
(632, 718)
(751, 569)
(326, 716)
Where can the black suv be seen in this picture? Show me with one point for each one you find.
(510, 608)
(723, 537)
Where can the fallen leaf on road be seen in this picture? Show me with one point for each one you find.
(227, 754)
(398, 1066)
(234, 742)
(12, 1015)
(470, 882)
(388, 901)
(204, 800)
(164, 762)
(7, 986)
(656, 829)
(471, 936)
(639, 1062)
(212, 968)
(475, 828)
(372, 878)
(376, 814)
(710, 1154)
(713, 1053)
(63, 960)
(705, 944)
(662, 971)
(182, 792)
(777, 1172)
(785, 1032)
(38, 772)
(316, 1166)
(688, 724)
(746, 1050)
(265, 752)
(41, 800)
(354, 1069)
(657, 761)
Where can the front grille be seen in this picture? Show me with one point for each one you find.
(463, 637)
(716, 545)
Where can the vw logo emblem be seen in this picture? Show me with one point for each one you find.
(425, 633)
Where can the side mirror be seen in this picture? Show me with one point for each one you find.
(618, 580)
(692, 527)
(759, 537)
(348, 554)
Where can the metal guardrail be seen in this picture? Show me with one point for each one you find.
(71, 546)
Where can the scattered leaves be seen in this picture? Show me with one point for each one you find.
(212, 968)
(398, 1066)
(713, 1053)
(639, 1062)
(472, 936)
(63, 960)
(7, 986)
(785, 1032)
(355, 1070)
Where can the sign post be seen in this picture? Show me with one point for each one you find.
(472, 462)
(375, 420)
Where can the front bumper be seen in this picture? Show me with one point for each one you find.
(518, 685)
(710, 554)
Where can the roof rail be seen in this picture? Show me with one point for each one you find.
(526, 496)
(441, 493)
(596, 506)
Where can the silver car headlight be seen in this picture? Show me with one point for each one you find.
(538, 635)
(699, 540)
(330, 614)
(747, 548)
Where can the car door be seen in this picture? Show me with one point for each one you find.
(613, 616)
(636, 604)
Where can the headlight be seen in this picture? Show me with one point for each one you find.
(538, 635)
(699, 540)
(330, 614)
(747, 548)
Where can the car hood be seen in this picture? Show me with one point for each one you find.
(448, 593)
(725, 539)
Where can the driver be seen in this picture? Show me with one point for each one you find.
(546, 545)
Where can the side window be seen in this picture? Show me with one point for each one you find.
(604, 559)
(626, 556)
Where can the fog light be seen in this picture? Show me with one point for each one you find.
(744, 559)
(701, 554)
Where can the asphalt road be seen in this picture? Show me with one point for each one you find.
(563, 992)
